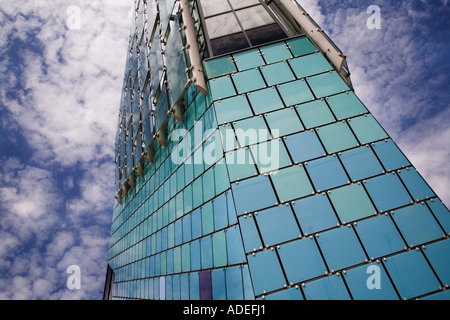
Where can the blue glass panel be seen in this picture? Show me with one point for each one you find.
(326, 173)
(277, 225)
(165, 11)
(219, 66)
(291, 183)
(340, 248)
(379, 236)
(301, 260)
(220, 212)
(441, 213)
(162, 107)
(156, 63)
(310, 65)
(251, 130)
(234, 241)
(206, 252)
(328, 288)
(240, 164)
(253, 194)
(196, 217)
(337, 137)
(248, 59)
(195, 255)
(441, 295)
(390, 155)
(235, 290)
(415, 184)
(304, 146)
(205, 285)
(184, 286)
(315, 113)
(327, 84)
(270, 155)
(361, 163)
(176, 291)
(187, 235)
(261, 265)
(417, 224)
(387, 192)
(438, 254)
(250, 234)
(218, 284)
(295, 92)
(248, 286)
(194, 286)
(232, 218)
(301, 46)
(411, 274)
(277, 73)
(346, 105)
(351, 203)
(221, 88)
(232, 109)
(363, 283)
(283, 122)
(219, 249)
(265, 100)
(275, 52)
(314, 213)
(249, 80)
(288, 294)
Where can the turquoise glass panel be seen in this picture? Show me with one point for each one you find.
(248, 59)
(441, 295)
(232, 109)
(251, 130)
(265, 100)
(184, 286)
(301, 260)
(228, 138)
(387, 192)
(309, 65)
(208, 185)
(197, 198)
(295, 92)
(186, 257)
(379, 236)
(194, 286)
(275, 52)
(340, 248)
(270, 155)
(219, 249)
(218, 284)
(277, 225)
(220, 212)
(288, 294)
(219, 66)
(248, 287)
(411, 274)
(351, 202)
(277, 73)
(328, 288)
(187, 234)
(249, 80)
(234, 241)
(415, 184)
(390, 155)
(262, 264)
(439, 261)
(337, 137)
(327, 84)
(326, 173)
(367, 129)
(361, 286)
(301, 46)
(250, 234)
(283, 122)
(221, 177)
(361, 163)
(195, 255)
(221, 88)
(346, 105)
(304, 146)
(315, 213)
(196, 218)
(234, 284)
(441, 213)
(417, 224)
(232, 217)
(291, 183)
(207, 218)
(206, 252)
(253, 194)
(315, 113)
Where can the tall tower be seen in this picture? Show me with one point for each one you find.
(247, 168)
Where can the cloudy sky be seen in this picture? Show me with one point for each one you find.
(60, 82)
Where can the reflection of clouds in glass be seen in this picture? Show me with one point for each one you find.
(237, 4)
(211, 7)
(222, 25)
(254, 17)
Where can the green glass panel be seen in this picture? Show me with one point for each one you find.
(310, 65)
(186, 257)
(367, 129)
(252, 130)
(197, 186)
(337, 137)
(195, 255)
(291, 183)
(206, 252)
(315, 113)
(327, 84)
(277, 73)
(270, 155)
(228, 138)
(301, 46)
(295, 92)
(232, 109)
(220, 212)
(207, 218)
(346, 105)
(351, 202)
(265, 100)
(177, 259)
(221, 88)
(249, 80)
(283, 122)
(219, 249)
(219, 66)
(275, 52)
(240, 164)
(248, 59)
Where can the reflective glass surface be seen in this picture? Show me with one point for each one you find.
(262, 264)
(327, 84)
(309, 65)
(283, 122)
(253, 194)
(326, 173)
(232, 109)
(304, 146)
(277, 73)
(265, 100)
(295, 92)
(361, 163)
(315, 113)
(248, 80)
(291, 183)
(367, 129)
(337, 137)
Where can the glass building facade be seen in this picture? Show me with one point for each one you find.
(259, 174)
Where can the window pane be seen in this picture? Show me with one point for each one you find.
(301, 260)
(220, 212)
(206, 252)
(250, 131)
(232, 109)
(277, 225)
(379, 236)
(229, 43)
(439, 261)
(367, 129)
(222, 25)
(234, 241)
(237, 4)
(415, 184)
(235, 290)
(221, 88)
(195, 255)
(265, 100)
(276, 52)
(211, 7)
(261, 265)
(249, 80)
(194, 289)
(315, 213)
(219, 66)
(340, 248)
(315, 113)
(283, 122)
(218, 284)
(301, 46)
(390, 155)
(310, 65)
(207, 218)
(196, 217)
(328, 288)
(417, 224)
(387, 192)
(326, 173)
(250, 234)
(254, 17)
(346, 105)
(327, 84)
(337, 137)
(277, 73)
(295, 92)
(219, 249)
(270, 155)
(205, 285)
(361, 163)
(304, 146)
(265, 34)
(291, 183)
(411, 274)
(248, 59)
(240, 164)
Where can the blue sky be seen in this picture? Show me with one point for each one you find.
(59, 98)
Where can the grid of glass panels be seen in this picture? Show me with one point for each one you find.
(268, 168)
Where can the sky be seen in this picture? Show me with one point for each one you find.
(61, 71)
